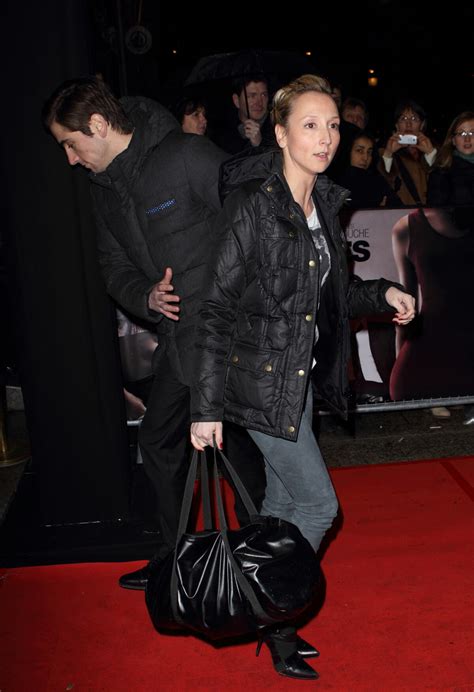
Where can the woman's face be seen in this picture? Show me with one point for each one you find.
(196, 122)
(361, 152)
(463, 137)
(409, 123)
(311, 136)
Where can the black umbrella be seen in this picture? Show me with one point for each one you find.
(268, 63)
(276, 66)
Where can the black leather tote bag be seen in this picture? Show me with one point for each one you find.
(223, 583)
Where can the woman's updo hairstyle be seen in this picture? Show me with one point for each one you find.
(284, 97)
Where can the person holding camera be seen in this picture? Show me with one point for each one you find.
(408, 155)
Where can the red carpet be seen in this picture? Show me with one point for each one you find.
(398, 612)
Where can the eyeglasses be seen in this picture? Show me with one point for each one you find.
(406, 118)
(464, 133)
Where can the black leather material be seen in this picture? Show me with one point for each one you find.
(305, 649)
(223, 583)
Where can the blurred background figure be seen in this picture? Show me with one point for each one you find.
(336, 93)
(355, 111)
(368, 187)
(452, 179)
(190, 112)
(354, 117)
(408, 154)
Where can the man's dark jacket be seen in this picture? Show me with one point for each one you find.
(154, 206)
(257, 328)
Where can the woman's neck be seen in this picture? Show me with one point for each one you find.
(301, 188)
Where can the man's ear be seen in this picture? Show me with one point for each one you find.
(236, 100)
(280, 134)
(98, 125)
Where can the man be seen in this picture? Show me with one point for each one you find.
(154, 192)
(355, 111)
(251, 127)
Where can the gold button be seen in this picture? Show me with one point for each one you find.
(268, 368)
(291, 234)
(269, 188)
(301, 373)
(235, 359)
(291, 429)
(312, 263)
(309, 318)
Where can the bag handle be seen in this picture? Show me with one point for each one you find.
(263, 617)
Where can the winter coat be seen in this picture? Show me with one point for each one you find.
(254, 342)
(453, 185)
(154, 207)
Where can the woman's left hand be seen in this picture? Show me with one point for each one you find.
(403, 303)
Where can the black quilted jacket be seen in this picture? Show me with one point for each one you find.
(257, 323)
(154, 207)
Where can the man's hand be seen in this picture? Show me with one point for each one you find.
(202, 434)
(252, 132)
(403, 303)
(161, 297)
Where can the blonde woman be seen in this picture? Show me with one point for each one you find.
(274, 320)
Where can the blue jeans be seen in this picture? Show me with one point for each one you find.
(299, 488)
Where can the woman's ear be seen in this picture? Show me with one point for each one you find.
(280, 134)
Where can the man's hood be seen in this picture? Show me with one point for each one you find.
(152, 122)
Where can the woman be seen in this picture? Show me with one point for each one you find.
(452, 179)
(434, 253)
(278, 301)
(191, 114)
(368, 187)
(406, 165)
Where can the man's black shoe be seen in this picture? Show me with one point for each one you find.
(136, 580)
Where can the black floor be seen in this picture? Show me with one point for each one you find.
(369, 438)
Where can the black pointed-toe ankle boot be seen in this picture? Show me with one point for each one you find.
(287, 660)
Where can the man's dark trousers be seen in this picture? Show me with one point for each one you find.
(165, 446)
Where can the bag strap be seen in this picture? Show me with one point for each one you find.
(239, 486)
(407, 179)
(263, 617)
(184, 518)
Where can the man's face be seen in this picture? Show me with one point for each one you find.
(257, 98)
(354, 115)
(89, 151)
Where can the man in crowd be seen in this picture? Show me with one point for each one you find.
(251, 126)
(155, 196)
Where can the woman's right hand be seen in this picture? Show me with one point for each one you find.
(202, 434)
(392, 145)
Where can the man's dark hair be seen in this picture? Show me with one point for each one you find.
(74, 102)
(239, 84)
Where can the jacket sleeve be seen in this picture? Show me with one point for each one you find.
(203, 160)
(123, 281)
(368, 297)
(227, 279)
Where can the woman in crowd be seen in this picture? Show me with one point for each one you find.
(452, 179)
(274, 322)
(367, 186)
(408, 155)
(191, 114)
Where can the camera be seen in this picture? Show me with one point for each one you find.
(407, 139)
